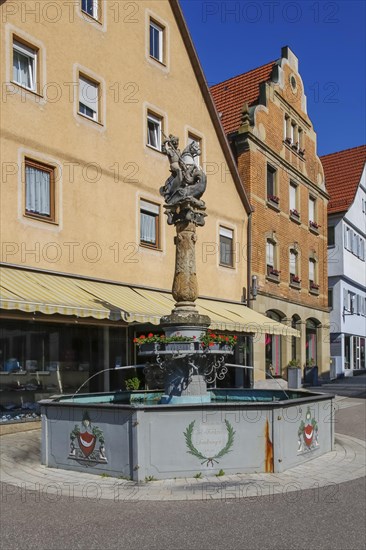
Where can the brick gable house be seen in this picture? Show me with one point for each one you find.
(263, 113)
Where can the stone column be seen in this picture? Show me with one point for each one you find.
(185, 286)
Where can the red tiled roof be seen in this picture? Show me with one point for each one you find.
(342, 173)
(230, 95)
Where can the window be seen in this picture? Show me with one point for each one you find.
(197, 142)
(313, 285)
(226, 247)
(294, 278)
(90, 7)
(311, 209)
(154, 129)
(294, 213)
(330, 298)
(156, 41)
(24, 66)
(149, 223)
(292, 135)
(286, 129)
(271, 260)
(271, 185)
(331, 237)
(301, 140)
(88, 98)
(39, 190)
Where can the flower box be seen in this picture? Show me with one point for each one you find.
(151, 347)
(274, 198)
(314, 227)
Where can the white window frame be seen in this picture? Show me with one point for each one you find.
(95, 4)
(293, 195)
(85, 101)
(270, 254)
(31, 55)
(160, 31)
(194, 139)
(158, 121)
(151, 209)
(312, 201)
(293, 262)
(228, 234)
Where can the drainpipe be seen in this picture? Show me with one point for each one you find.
(249, 284)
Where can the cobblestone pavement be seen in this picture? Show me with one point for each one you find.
(21, 468)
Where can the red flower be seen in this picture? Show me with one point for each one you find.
(135, 340)
(150, 335)
(194, 337)
(211, 344)
(227, 338)
(235, 337)
(142, 337)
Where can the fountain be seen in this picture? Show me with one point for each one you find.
(185, 428)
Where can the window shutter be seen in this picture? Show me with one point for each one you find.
(88, 93)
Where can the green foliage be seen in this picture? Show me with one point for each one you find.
(209, 459)
(221, 473)
(150, 478)
(104, 475)
(198, 476)
(132, 383)
(294, 363)
(210, 338)
(161, 339)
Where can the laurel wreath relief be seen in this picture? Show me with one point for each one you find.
(209, 460)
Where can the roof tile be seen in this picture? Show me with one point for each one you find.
(343, 172)
(230, 95)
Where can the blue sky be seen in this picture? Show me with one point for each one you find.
(329, 38)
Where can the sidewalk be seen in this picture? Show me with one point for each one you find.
(21, 468)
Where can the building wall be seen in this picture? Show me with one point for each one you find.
(261, 141)
(103, 169)
(347, 279)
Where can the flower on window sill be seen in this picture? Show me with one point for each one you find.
(295, 279)
(314, 286)
(295, 146)
(274, 198)
(302, 152)
(288, 140)
(295, 213)
(314, 225)
(274, 272)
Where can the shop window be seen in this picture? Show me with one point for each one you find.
(226, 247)
(156, 41)
(39, 190)
(25, 65)
(91, 7)
(149, 224)
(154, 130)
(89, 92)
(311, 343)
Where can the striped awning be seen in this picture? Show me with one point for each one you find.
(32, 291)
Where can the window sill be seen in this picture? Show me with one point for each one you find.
(226, 265)
(90, 18)
(273, 205)
(90, 119)
(39, 218)
(155, 149)
(296, 286)
(314, 230)
(150, 247)
(293, 150)
(295, 219)
(33, 92)
(314, 291)
(273, 278)
(158, 61)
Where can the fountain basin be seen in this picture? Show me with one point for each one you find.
(130, 434)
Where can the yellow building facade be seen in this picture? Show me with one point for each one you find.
(90, 91)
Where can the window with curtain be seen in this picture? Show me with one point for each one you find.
(293, 267)
(156, 41)
(88, 97)
(271, 260)
(39, 189)
(226, 247)
(154, 129)
(24, 66)
(149, 224)
(312, 274)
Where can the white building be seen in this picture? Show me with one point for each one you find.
(345, 179)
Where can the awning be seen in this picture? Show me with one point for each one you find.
(47, 293)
